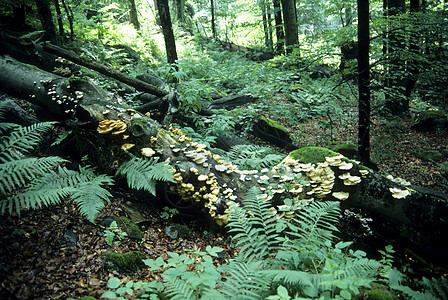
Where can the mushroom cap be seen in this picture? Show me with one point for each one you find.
(127, 147)
(399, 194)
(148, 152)
(340, 195)
(202, 177)
(345, 166)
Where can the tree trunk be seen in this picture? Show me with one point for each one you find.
(213, 21)
(167, 28)
(414, 43)
(364, 82)
(46, 18)
(396, 101)
(59, 17)
(290, 22)
(279, 33)
(133, 14)
(180, 11)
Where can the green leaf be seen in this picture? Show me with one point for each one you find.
(113, 283)
(109, 295)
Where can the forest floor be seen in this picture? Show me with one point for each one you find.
(35, 265)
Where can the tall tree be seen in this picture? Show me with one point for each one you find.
(213, 21)
(396, 102)
(414, 48)
(46, 18)
(279, 33)
(133, 14)
(364, 81)
(167, 28)
(267, 26)
(290, 22)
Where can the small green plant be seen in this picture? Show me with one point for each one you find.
(168, 213)
(113, 232)
(139, 290)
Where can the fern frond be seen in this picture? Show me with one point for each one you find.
(178, 289)
(296, 278)
(90, 196)
(7, 127)
(246, 280)
(254, 226)
(3, 108)
(17, 173)
(437, 287)
(249, 157)
(142, 173)
(316, 222)
(32, 198)
(22, 139)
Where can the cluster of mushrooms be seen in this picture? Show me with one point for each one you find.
(304, 182)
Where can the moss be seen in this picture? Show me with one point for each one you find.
(312, 155)
(273, 124)
(348, 150)
(124, 262)
(129, 227)
(430, 155)
(379, 294)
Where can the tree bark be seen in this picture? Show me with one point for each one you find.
(133, 14)
(213, 21)
(396, 101)
(105, 70)
(167, 28)
(279, 33)
(46, 18)
(364, 82)
(290, 22)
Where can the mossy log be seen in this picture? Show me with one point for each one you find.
(204, 180)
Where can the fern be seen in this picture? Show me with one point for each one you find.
(245, 280)
(254, 226)
(143, 173)
(250, 157)
(17, 173)
(316, 222)
(30, 182)
(22, 139)
(178, 288)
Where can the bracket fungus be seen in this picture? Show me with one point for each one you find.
(340, 195)
(148, 152)
(111, 126)
(399, 194)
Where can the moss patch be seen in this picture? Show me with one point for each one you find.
(312, 155)
(273, 124)
(124, 262)
(430, 155)
(129, 227)
(348, 150)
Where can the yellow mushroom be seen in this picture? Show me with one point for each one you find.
(127, 147)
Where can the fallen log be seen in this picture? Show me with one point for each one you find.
(204, 180)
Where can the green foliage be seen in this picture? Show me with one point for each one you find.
(168, 213)
(143, 173)
(112, 233)
(34, 182)
(253, 157)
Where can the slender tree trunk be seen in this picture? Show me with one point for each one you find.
(180, 10)
(266, 23)
(59, 17)
(270, 29)
(290, 20)
(364, 81)
(70, 17)
(414, 48)
(167, 28)
(396, 101)
(212, 8)
(279, 33)
(46, 18)
(134, 15)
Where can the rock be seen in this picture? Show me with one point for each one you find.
(431, 120)
(176, 231)
(124, 262)
(69, 239)
(348, 150)
(129, 227)
(273, 133)
(312, 155)
(429, 155)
